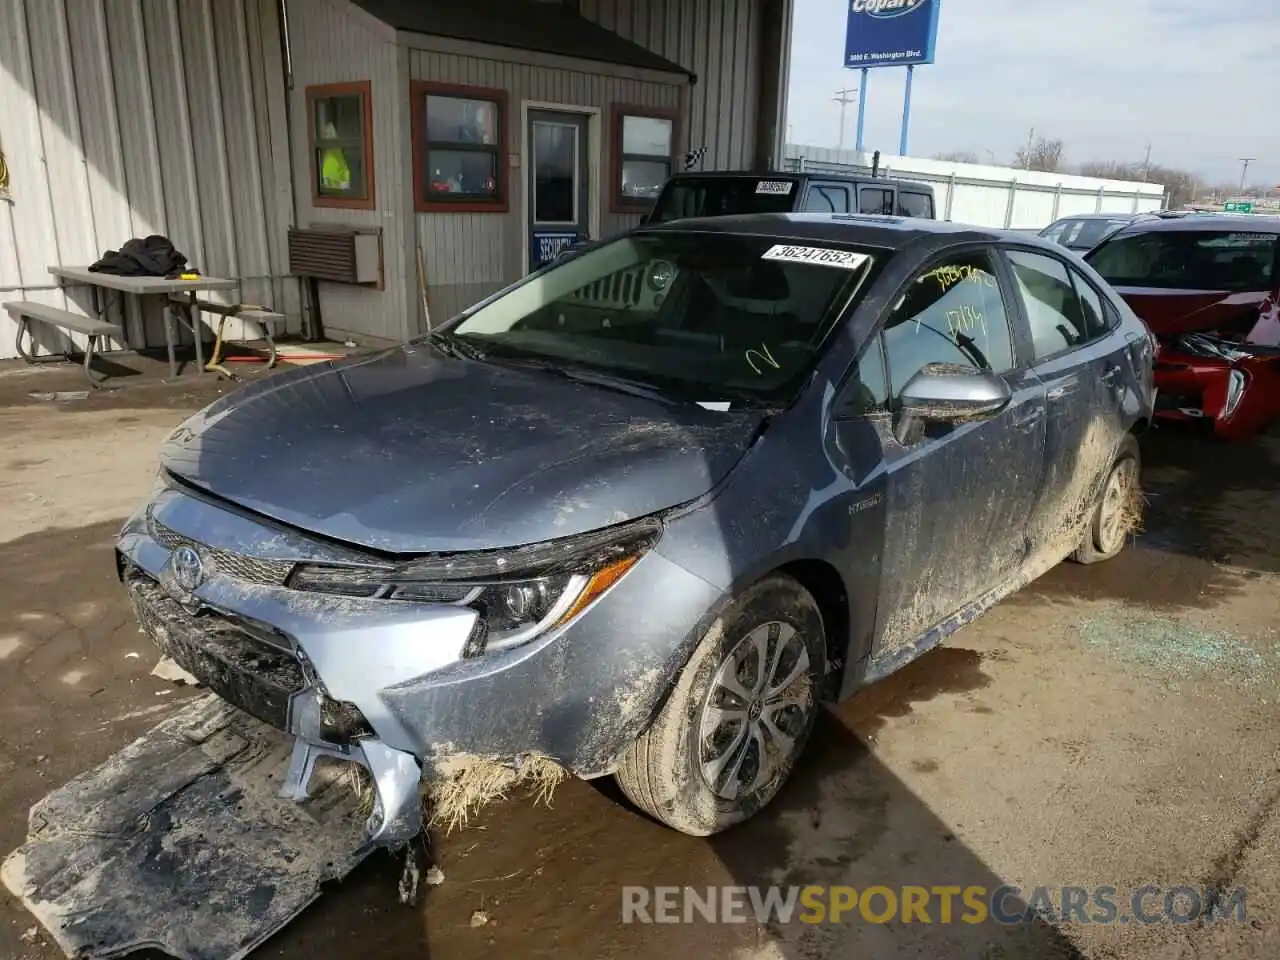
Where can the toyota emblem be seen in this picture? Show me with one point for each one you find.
(188, 570)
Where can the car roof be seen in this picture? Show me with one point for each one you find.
(1098, 216)
(894, 233)
(794, 175)
(1212, 222)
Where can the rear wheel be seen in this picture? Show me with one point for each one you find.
(741, 711)
(1119, 508)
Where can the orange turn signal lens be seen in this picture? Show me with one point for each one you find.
(600, 581)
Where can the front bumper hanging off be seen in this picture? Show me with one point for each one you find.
(260, 673)
(182, 841)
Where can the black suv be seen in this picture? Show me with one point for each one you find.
(722, 194)
(726, 194)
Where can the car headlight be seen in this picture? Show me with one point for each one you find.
(518, 593)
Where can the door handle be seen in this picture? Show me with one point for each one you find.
(1057, 393)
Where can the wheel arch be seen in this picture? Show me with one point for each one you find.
(827, 587)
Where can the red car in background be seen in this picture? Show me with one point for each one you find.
(1208, 288)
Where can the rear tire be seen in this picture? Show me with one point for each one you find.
(1118, 510)
(740, 714)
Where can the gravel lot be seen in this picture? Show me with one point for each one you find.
(1112, 725)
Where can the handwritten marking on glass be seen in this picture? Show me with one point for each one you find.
(948, 276)
(764, 354)
(964, 318)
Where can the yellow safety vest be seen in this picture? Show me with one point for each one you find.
(334, 172)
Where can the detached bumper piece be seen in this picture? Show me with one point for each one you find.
(182, 842)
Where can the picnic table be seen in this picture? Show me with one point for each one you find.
(179, 299)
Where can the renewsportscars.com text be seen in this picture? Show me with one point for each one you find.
(1148, 904)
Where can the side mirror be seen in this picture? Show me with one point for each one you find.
(946, 393)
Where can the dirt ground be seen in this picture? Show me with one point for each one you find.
(1112, 725)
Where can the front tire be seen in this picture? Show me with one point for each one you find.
(1117, 513)
(740, 714)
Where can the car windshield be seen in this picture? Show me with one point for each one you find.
(701, 317)
(723, 197)
(1083, 234)
(1236, 260)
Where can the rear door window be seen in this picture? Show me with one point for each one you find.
(875, 200)
(827, 198)
(912, 204)
(1050, 299)
(1240, 261)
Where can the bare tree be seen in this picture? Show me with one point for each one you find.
(957, 156)
(1042, 154)
(1179, 185)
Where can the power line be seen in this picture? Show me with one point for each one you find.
(844, 97)
(1244, 169)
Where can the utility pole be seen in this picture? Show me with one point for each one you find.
(1244, 170)
(1146, 163)
(1031, 135)
(844, 98)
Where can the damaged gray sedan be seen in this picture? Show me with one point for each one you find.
(642, 512)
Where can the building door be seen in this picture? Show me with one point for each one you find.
(559, 192)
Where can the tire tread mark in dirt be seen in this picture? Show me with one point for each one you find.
(1227, 864)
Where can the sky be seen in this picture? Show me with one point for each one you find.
(1198, 80)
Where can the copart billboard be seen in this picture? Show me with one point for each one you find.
(890, 33)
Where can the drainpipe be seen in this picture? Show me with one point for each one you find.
(286, 59)
(310, 310)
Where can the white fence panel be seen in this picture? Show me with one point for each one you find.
(991, 196)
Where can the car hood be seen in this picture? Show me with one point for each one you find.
(1171, 312)
(413, 451)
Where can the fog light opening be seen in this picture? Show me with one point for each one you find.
(341, 722)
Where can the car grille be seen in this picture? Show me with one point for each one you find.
(242, 669)
(250, 569)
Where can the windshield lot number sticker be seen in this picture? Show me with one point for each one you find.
(845, 259)
(779, 187)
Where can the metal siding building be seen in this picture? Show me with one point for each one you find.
(120, 119)
(470, 255)
(189, 118)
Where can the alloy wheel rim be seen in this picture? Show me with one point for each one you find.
(1112, 523)
(759, 704)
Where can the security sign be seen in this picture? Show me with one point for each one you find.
(547, 246)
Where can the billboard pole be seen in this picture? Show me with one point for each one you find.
(862, 107)
(889, 33)
(906, 112)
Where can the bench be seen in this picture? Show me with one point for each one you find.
(267, 319)
(25, 311)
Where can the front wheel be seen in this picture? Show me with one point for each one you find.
(742, 709)
(1119, 508)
